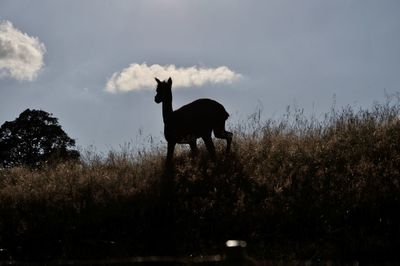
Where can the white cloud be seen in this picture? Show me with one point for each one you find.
(141, 76)
(21, 56)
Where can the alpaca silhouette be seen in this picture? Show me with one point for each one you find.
(192, 121)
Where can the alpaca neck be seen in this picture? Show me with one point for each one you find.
(167, 110)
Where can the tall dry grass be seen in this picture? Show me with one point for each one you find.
(295, 188)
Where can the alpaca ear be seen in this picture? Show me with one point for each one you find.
(170, 81)
(158, 81)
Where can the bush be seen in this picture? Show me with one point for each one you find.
(34, 139)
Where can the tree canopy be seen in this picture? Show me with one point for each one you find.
(33, 139)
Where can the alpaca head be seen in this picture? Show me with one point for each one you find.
(163, 91)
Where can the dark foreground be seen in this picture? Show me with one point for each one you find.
(296, 190)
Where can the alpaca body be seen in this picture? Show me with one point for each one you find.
(194, 120)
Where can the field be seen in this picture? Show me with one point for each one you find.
(297, 188)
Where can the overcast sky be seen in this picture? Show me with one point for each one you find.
(91, 63)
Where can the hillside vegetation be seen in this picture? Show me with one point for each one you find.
(295, 188)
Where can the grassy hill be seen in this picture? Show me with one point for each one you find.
(294, 188)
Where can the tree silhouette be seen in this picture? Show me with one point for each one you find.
(34, 139)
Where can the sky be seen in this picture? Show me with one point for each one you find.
(92, 63)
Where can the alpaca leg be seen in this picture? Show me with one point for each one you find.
(170, 152)
(193, 147)
(210, 145)
(221, 133)
(229, 136)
